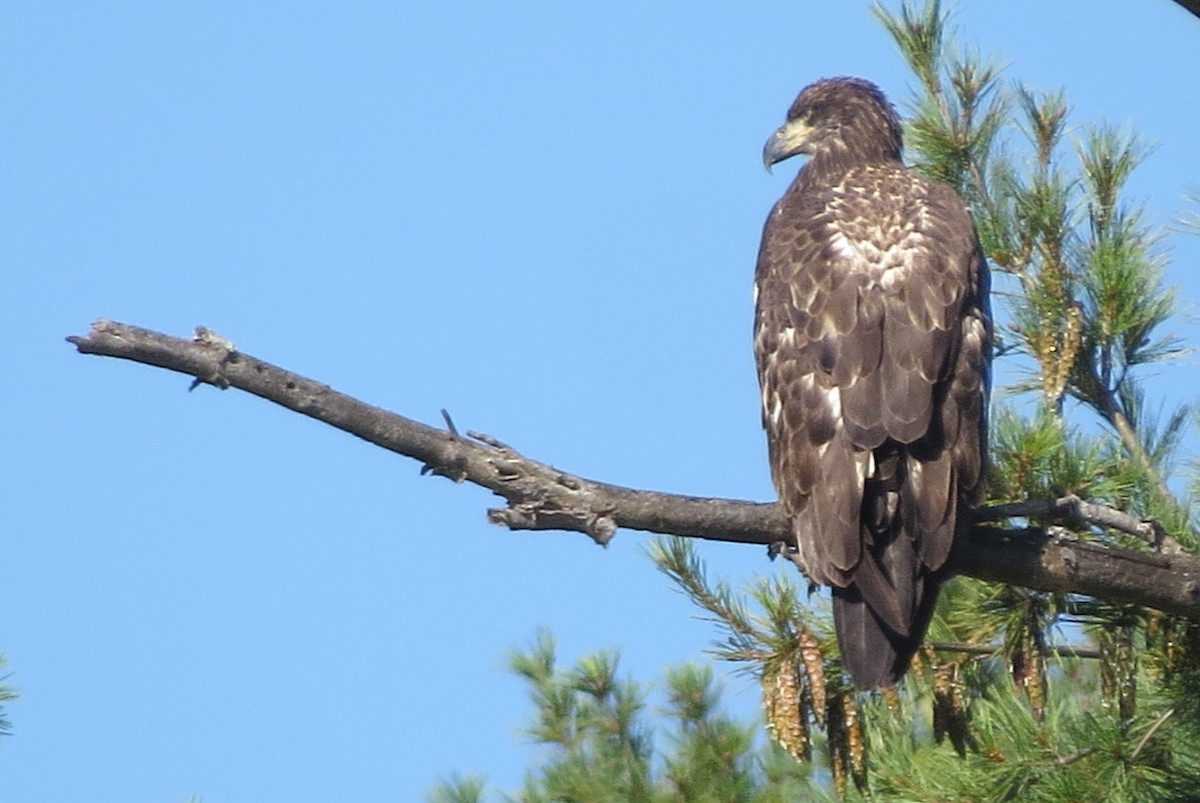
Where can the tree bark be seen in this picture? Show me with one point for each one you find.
(1191, 5)
(540, 497)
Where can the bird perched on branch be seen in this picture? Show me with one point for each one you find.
(873, 344)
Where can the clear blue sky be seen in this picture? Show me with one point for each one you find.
(540, 216)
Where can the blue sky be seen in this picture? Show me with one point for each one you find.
(540, 216)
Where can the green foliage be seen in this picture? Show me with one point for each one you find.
(1017, 719)
(7, 695)
(1041, 458)
(458, 789)
(601, 746)
(592, 717)
(1071, 753)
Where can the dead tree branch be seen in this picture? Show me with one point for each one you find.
(540, 497)
(1191, 5)
(1073, 509)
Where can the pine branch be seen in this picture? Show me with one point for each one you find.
(1116, 417)
(1066, 761)
(1158, 723)
(963, 647)
(541, 497)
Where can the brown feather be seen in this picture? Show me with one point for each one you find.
(872, 340)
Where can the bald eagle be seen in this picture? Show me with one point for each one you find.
(873, 344)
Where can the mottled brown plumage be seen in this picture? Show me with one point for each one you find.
(872, 339)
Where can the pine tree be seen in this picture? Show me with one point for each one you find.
(604, 748)
(7, 694)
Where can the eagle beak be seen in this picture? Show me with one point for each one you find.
(785, 143)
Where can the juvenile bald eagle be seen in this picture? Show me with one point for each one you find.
(872, 340)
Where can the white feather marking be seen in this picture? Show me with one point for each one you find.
(891, 278)
(834, 397)
(864, 462)
(975, 332)
(788, 337)
(776, 409)
(841, 246)
(884, 254)
(915, 475)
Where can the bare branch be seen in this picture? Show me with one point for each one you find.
(541, 497)
(1133, 444)
(1191, 5)
(1074, 509)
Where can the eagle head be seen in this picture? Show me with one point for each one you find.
(846, 117)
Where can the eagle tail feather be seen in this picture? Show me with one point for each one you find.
(881, 617)
(868, 650)
(874, 655)
(885, 585)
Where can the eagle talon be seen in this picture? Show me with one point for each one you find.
(777, 548)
